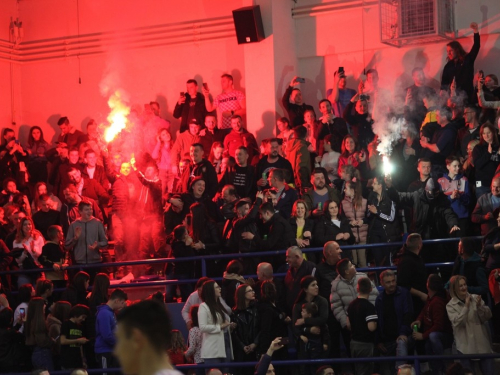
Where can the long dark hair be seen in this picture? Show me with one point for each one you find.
(343, 149)
(268, 292)
(239, 297)
(304, 284)
(198, 225)
(214, 304)
(100, 290)
(79, 281)
(31, 140)
(61, 310)
(494, 133)
(35, 329)
(459, 50)
(326, 211)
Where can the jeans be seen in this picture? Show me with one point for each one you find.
(398, 348)
(435, 345)
(487, 364)
(41, 358)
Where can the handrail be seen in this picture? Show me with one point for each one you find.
(415, 358)
(203, 259)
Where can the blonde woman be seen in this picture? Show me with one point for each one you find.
(469, 316)
(31, 240)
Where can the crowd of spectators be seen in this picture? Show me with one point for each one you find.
(319, 183)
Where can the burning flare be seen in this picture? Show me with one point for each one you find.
(118, 116)
(386, 165)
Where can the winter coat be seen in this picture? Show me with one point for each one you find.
(212, 344)
(325, 230)
(470, 327)
(344, 292)
(360, 233)
(182, 145)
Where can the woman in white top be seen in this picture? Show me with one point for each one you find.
(31, 240)
(216, 346)
(469, 317)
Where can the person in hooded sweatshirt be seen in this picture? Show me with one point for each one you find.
(105, 326)
(297, 153)
(86, 236)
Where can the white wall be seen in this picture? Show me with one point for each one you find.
(316, 46)
(328, 40)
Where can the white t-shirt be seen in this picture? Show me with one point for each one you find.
(228, 101)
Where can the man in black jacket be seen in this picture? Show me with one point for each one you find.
(190, 105)
(411, 272)
(200, 167)
(293, 104)
(433, 217)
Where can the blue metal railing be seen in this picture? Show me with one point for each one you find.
(203, 259)
(416, 359)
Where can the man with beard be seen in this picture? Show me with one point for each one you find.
(69, 210)
(241, 176)
(200, 167)
(271, 161)
(320, 192)
(239, 136)
(336, 126)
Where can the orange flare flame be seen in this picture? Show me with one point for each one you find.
(118, 116)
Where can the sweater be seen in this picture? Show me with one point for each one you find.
(433, 316)
(92, 231)
(105, 325)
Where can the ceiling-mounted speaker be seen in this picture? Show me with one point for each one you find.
(248, 24)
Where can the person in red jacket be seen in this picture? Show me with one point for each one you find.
(433, 324)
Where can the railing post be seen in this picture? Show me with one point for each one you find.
(203, 267)
(417, 366)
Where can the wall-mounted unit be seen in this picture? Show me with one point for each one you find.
(406, 22)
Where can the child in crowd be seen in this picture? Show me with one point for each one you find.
(362, 320)
(193, 353)
(312, 345)
(72, 339)
(177, 348)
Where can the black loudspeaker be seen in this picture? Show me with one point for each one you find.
(248, 24)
